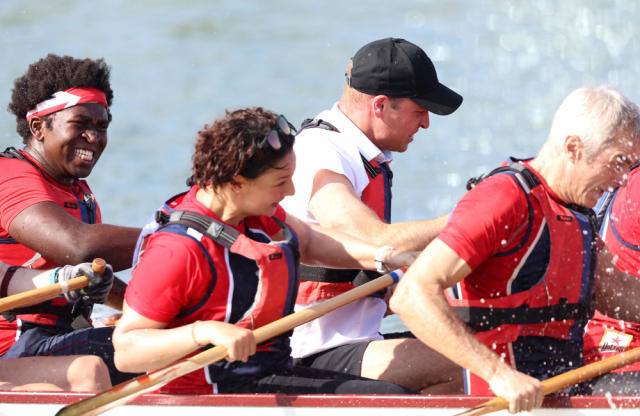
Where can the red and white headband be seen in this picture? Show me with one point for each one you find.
(68, 98)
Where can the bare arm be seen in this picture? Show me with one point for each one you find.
(334, 204)
(142, 344)
(50, 230)
(332, 248)
(420, 302)
(615, 289)
(25, 279)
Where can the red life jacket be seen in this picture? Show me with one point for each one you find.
(262, 278)
(82, 206)
(58, 311)
(318, 283)
(557, 301)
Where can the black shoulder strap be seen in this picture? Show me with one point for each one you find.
(527, 179)
(219, 232)
(12, 153)
(371, 170)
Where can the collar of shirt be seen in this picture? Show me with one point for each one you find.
(369, 150)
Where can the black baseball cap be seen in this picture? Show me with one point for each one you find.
(399, 69)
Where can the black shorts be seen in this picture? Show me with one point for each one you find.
(345, 359)
(304, 380)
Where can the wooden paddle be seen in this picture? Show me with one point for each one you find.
(563, 380)
(41, 294)
(155, 379)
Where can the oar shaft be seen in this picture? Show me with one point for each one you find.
(556, 383)
(35, 296)
(301, 317)
(590, 371)
(128, 390)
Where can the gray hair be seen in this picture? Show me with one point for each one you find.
(599, 116)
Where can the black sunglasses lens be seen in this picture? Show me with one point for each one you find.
(283, 125)
(273, 140)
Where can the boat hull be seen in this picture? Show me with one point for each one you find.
(45, 403)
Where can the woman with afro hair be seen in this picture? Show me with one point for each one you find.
(48, 214)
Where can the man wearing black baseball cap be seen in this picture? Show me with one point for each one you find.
(343, 180)
(399, 69)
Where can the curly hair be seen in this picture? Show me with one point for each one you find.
(230, 147)
(52, 74)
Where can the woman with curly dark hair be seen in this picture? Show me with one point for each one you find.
(223, 260)
(48, 215)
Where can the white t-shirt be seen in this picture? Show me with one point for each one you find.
(317, 149)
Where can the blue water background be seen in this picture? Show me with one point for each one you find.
(177, 65)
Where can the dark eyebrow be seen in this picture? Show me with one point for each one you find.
(85, 118)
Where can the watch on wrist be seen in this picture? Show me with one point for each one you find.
(380, 266)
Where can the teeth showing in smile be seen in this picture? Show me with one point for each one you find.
(84, 154)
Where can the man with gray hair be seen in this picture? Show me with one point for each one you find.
(506, 289)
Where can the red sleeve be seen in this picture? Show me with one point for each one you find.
(168, 277)
(488, 219)
(626, 209)
(21, 185)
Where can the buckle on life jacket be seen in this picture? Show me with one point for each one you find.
(212, 228)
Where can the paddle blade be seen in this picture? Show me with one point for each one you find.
(130, 389)
(492, 405)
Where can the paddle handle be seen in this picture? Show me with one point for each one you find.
(575, 376)
(41, 294)
(99, 265)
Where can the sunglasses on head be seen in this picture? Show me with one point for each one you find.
(284, 130)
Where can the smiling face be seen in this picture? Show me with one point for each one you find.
(400, 119)
(261, 196)
(605, 171)
(69, 146)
